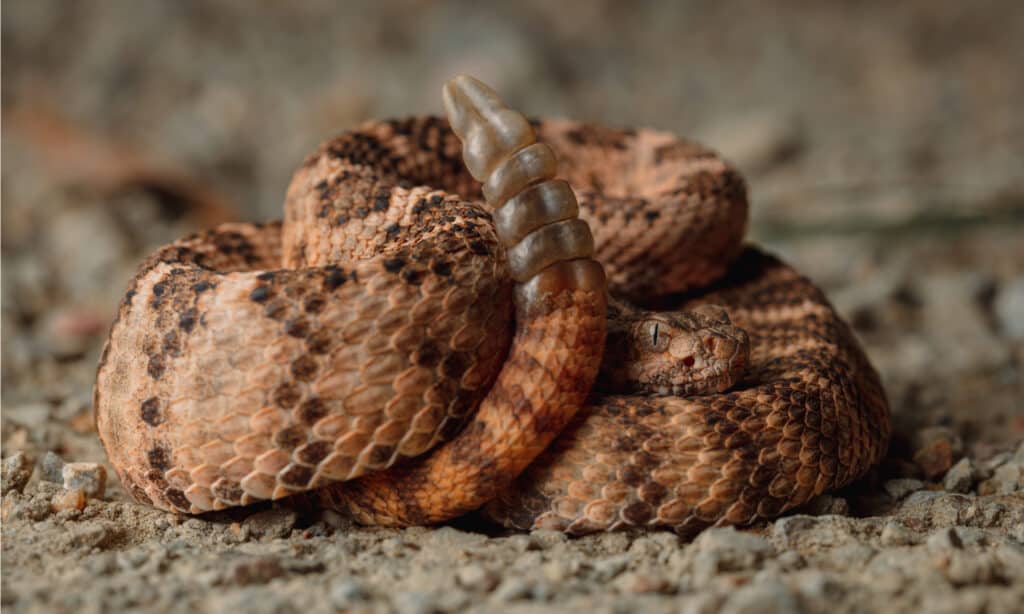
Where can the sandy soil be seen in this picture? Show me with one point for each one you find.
(883, 147)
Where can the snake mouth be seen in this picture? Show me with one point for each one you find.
(718, 381)
(711, 379)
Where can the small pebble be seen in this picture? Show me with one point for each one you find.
(17, 469)
(560, 569)
(995, 462)
(92, 535)
(608, 568)
(853, 555)
(826, 505)
(960, 477)
(512, 588)
(73, 499)
(944, 540)
(935, 450)
(51, 468)
(1007, 479)
(414, 602)
(819, 588)
(767, 597)
(1009, 308)
(934, 459)
(256, 570)
(277, 522)
(897, 489)
(635, 582)
(727, 550)
(543, 539)
(476, 577)
(791, 559)
(345, 591)
(450, 538)
(90, 478)
(36, 509)
(895, 534)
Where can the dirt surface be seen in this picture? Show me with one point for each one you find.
(883, 147)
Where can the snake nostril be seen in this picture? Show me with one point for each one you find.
(688, 361)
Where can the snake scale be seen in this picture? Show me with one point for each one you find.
(403, 352)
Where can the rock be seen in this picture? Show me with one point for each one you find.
(759, 142)
(450, 538)
(512, 588)
(338, 521)
(256, 570)
(1011, 559)
(68, 332)
(705, 602)
(636, 582)
(561, 569)
(345, 592)
(414, 602)
(73, 499)
(768, 597)
(827, 505)
(944, 540)
(734, 545)
(935, 450)
(997, 461)
(543, 539)
(726, 550)
(896, 534)
(1007, 478)
(1009, 308)
(51, 468)
(17, 469)
(960, 477)
(259, 599)
(934, 459)
(955, 325)
(34, 509)
(852, 556)
(277, 522)
(803, 532)
(790, 559)
(132, 559)
(476, 577)
(897, 489)
(92, 535)
(608, 568)
(32, 416)
(90, 478)
(542, 591)
(819, 589)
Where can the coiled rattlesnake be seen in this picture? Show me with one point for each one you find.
(390, 312)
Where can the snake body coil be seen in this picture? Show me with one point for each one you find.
(390, 313)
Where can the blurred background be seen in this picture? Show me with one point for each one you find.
(883, 144)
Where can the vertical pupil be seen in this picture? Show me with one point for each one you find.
(654, 334)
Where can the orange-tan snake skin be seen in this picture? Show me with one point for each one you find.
(406, 350)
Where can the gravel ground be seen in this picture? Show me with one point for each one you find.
(883, 146)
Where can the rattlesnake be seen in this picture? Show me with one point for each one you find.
(390, 311)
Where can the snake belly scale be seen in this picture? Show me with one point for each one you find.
(407, 353)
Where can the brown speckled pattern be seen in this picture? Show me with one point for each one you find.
(809, 416)
(256, 361)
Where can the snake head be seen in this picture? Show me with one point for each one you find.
(673, 352)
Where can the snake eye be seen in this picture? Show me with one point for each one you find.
(658, 338)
